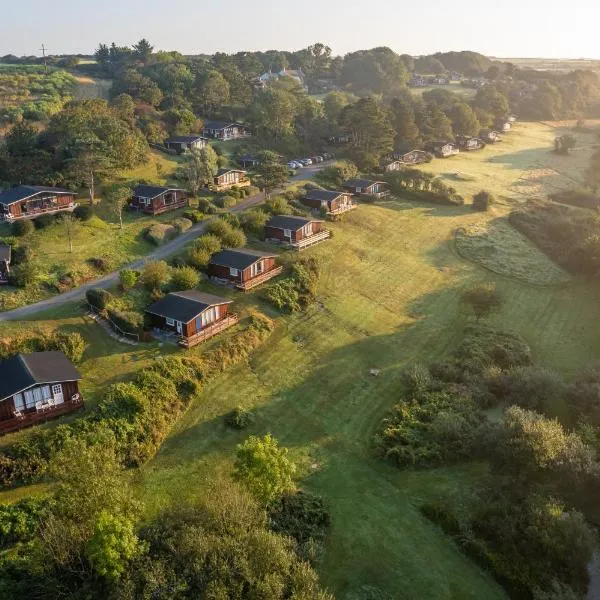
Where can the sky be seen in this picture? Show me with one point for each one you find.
(502, 28)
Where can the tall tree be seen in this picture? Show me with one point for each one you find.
(404, 122)
(212, 91)
(143, 50)
(199, 168)
(118, 197)
(272, 173)
(464, 120)
(273, 112)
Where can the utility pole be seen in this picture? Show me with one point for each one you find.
(43, 49)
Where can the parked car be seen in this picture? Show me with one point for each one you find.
(320, 159)
(298, 161)
(306, 162)
(293, 164)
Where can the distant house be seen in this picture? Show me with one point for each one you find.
(438, 80)
(155, 200)
(502, 124)
(469, 143)
(331, 203)
(296, 74)
(414, 157)
(244, 268)
(512, 118)
(37, 387)
(191, 316)
(443, 149)
(417, 80)
(489, 136)
(224, 130)
(248, 161)
(297, 232)
(227, 178)
(395, 165)
(5, 258)
(181, 143)
(455, 76)
(366, 187)
(31, 201)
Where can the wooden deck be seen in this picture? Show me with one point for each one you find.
(166, 208)
(39, 416)
(341, 210)
(259, 279)
(311, 241)
(42, 211)
(212, 330)
(227, 186)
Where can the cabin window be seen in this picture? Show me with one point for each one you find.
(171, 322)
(56, 389)
(256, 268)
(287, 233)
(45, 391)
(18, 400)
(29, 399)
(209, 315)
(233, 272)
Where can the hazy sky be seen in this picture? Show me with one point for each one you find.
(503, 28)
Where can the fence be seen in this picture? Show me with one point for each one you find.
(117, 329)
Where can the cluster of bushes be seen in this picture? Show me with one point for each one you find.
(193, 215)
(71, 344)
(224, 232)
(422, 186)
(582, 198)
(232, 196)
(299, 289)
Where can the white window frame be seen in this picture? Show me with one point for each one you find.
(57, 389)
(170, 322)
(19, 402)
(287, 233)
(233, 272)
(29, 399)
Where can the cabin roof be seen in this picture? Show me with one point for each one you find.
(290, 222)
(326, 195)
(249, 157)
(185, 306)
(362, 183)
(152, 191)
(224, 171)
(23, 192)
(238, 258)
(26, 370)
(185, 139)
(220, 124)
(5, 253)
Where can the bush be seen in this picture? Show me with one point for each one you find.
(72, 345)
(99, 298)
(483, 200)
(44, 221)
(160, 233)
(182, 224)
(284, 296)
(128, 278)
(184, 278)
(239, 418)
(23, 275)
(198, 257)
(83, 212)
(128, 321)
(232, 219)
(22, 254)
(195, 216)
(218, 228)
(210, 243)
(253, 222)
(226, 201)
(206, 206)
(236, 238)
(23, 227)
(101, 264)
(155, 275)
(278, 206)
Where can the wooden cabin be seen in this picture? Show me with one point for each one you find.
(191, 316)
(297, 232)
(395, 165)
(366, 187)
(224, 130)
(31, 201)
(225, 179)
(330, 203)
(248, 161)
(443, 149)
(469, 143)
(183, 143)
(242, 267)
(502, 125)
(5, 258)
(37, 387)
(489, 136)
(414, 157)
(155, 200)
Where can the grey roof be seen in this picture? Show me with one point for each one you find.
(5, 253)
(289, 222)
(185, 306)
(249, 157)
(361, 183)
(323, 195)
(185, 139)
(219, 124)
(238, 258)
(22, 192)
(151, 191)
(223, 171)
(27, 370)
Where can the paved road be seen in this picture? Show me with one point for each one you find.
(164, 251)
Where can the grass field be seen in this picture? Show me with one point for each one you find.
(458, 89)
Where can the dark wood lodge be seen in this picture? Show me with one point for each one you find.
(366, 187)
(37, 387)
(30, 201)
(181, 143)
(443, 149)
(329, 203)
(154, 200)
(296, 232)
(225, 179)
(5, 258)
(414, 157)
(469, 143)
(242, 267)
(191, 316)
(489, 136)
(224, 130)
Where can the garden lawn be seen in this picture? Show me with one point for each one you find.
(388, 297)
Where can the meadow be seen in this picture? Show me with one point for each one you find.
(389, 296)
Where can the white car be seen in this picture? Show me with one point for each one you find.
(293, 164)
(306, 162)
(299, 163)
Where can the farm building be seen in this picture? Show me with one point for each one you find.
(155, 200)
(490, 136)
(5, 258)
(297, 232)
(227, 178)
(191, 316)
(331, 203)
(469, 143)
(37, 387)
(224, 130)
(366, 187)
(414, 157)
(30, 201)
(248, 161)
(243, 267)
(443, 149)
(181, 143)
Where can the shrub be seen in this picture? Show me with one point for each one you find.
(99, 298)
(218, 228)
(232, 219)
(155, 275)
(99, 263)
(278, 206)
(72, 345)
(184, 278)
(206, 206)
(284, 295)
(128, 278)
(22, 254)
(483, 200)
(182, 224)
(226, 201)
(253, 222)
(236, 238)
(128, 321)
(210, 243)
(160, 233)
(83, 212)
(195, 216)
(483, 299)
(23, 275)
(23, 227)
(239, 418)
(44, 221)
(198, 257)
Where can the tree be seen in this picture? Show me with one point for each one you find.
(464, 120)
(334, 103)
(404, 122)
(212, 91)
(492, 101)
(143, 50)
(433, 123)
(199, 167)
(483, 200)
(118, 197)
(155, 275)
(565, 143)
(483, 299)
(128, 278)
(184, 278)
(273, 112)
(69, 222)
(272, 174)
(264, 468)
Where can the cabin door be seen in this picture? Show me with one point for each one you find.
(57, 394)
(179, 325)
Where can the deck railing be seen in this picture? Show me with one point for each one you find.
(256, 281)
(34, 213)
(311, 240)
(166, 207)
(342, 209)
(208, 332)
